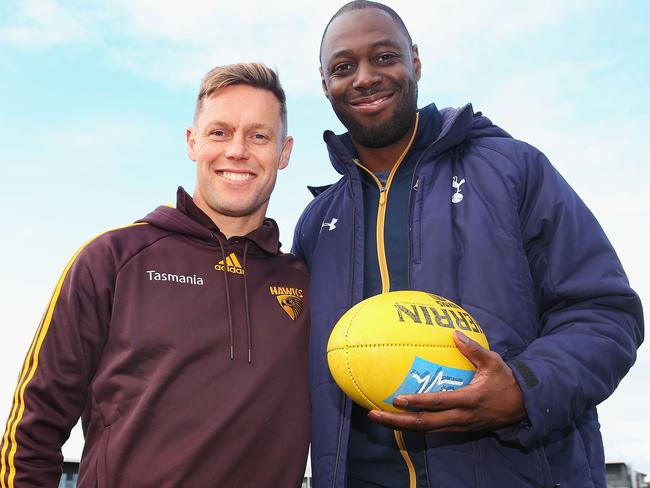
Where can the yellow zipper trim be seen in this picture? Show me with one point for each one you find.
(383, 268)
(399, 437)
(29, 369)
(381, 210)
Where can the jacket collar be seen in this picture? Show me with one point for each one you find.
(446, 128)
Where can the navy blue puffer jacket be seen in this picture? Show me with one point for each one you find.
(523, 254)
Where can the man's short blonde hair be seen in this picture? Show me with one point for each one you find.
(256, 75)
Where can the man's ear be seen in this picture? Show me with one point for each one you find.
(323, 84)
(285, 154)
(417, 65)
(191, 143)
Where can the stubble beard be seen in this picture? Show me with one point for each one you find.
(385, 133)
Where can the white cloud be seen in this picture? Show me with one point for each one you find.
(176, 42)
(449, 30)
(38, 23)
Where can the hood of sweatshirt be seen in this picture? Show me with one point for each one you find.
(186, 218)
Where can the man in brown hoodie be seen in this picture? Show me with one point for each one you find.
(180, 340)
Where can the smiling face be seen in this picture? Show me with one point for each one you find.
(369, 73)
(238, 147)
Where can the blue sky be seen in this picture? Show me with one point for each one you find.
(95, 97)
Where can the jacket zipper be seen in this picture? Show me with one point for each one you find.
(416, 180)
(383, 270)
(381, 210)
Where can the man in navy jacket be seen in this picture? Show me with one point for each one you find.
(446, 202)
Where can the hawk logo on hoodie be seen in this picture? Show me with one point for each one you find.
(290, 299)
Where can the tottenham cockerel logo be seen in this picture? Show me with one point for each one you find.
(290, 299)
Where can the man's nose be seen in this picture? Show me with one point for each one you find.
(366, 76)
(237, 148)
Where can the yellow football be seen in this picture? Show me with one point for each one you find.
(400, 342)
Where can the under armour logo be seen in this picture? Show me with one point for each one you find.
(457, 197)
(330, 225)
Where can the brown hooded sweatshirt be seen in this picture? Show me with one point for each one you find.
(184, 353)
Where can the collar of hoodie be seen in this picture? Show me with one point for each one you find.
(265, 237)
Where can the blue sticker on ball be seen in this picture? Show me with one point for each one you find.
(427, 377)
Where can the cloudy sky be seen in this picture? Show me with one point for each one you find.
(95, 97)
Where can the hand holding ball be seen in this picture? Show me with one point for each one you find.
(400, 342)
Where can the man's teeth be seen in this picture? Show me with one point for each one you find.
(236, 176)
(374, 102)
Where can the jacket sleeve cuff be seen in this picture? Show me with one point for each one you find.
(538, 403)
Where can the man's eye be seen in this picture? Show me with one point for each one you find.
(258, 138)
(385, 57)
(218, 133)
(342, 68)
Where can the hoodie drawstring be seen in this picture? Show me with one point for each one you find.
(248, 319)
(225, 282)
(246, 302)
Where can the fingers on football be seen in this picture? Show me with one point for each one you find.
(472, 350)
(456, 420)
(439, 401)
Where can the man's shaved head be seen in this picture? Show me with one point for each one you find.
(360, 5)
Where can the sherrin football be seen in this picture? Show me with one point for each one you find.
(400, 342)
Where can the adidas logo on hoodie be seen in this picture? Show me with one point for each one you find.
(232, 265)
